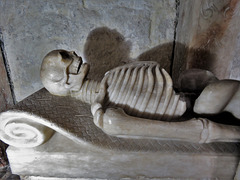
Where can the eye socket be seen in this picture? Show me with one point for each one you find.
(79, 65)
(65, 55)
(75, 53)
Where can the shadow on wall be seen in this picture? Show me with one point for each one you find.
(191, 58)
(200, 58)
(106, 49)
(161, 54)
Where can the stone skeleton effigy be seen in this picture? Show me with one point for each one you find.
(135, 101)
(136, 93)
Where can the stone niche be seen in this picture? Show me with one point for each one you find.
(179, 35)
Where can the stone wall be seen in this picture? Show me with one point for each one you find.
(106, 33)
(179, 34)
(207, 37)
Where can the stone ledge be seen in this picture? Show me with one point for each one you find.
(63, 158)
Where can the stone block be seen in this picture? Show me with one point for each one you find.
(62, 158)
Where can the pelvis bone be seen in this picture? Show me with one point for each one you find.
(129, 100)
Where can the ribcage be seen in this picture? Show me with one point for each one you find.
(144, 90)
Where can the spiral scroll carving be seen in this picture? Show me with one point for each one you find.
(21, 129)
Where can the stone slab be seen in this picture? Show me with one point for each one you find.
(80, 150)
(61, 157)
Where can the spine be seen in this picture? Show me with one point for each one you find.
(88, 91)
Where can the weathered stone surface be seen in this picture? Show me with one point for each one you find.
(33, 28)
(206, 37)
(62, 158)
(235, 65)
(80, 149)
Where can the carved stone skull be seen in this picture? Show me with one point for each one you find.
(61, 72)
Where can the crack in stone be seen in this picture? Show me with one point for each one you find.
(174, 36)
(7, 67)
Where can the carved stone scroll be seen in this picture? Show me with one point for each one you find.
(21, 129)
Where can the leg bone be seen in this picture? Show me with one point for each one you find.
(117, 123)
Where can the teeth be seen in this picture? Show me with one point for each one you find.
(74, 68)
(79, 65)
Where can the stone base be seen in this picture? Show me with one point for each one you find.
(63, 158)
(79, 149)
